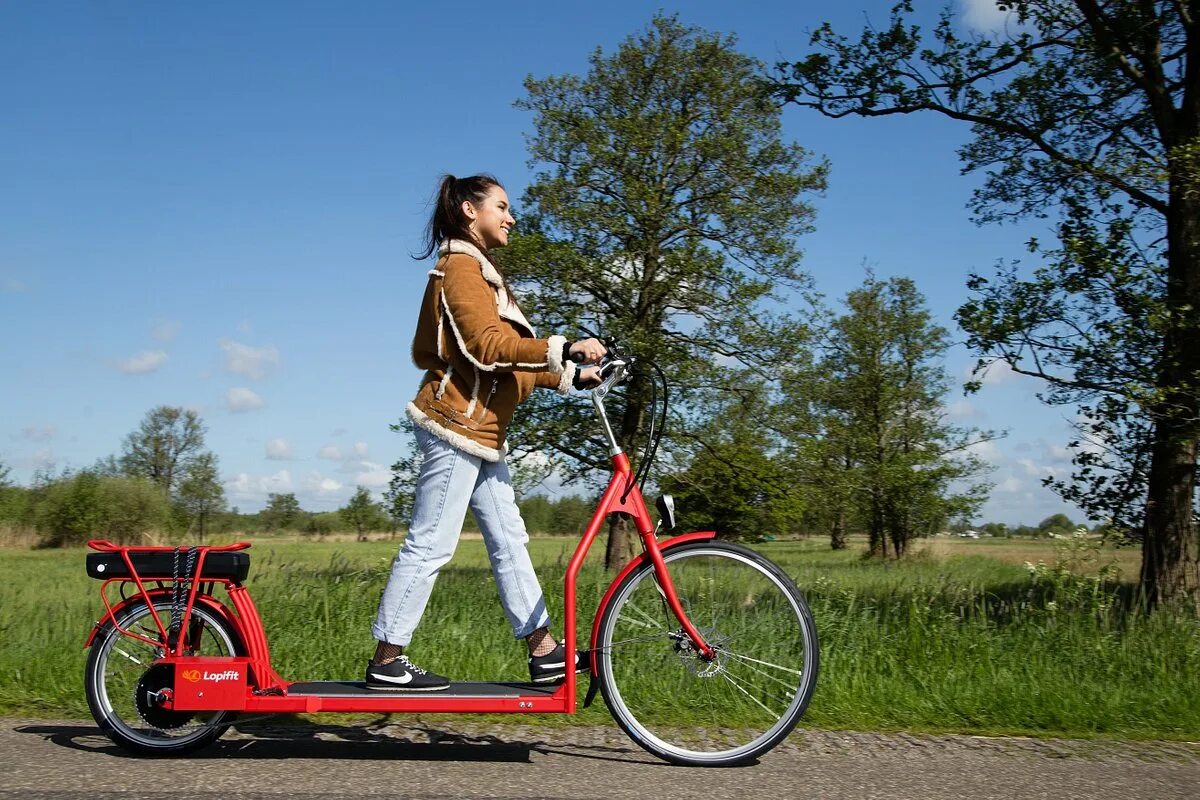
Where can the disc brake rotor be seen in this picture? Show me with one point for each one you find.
(686, 649)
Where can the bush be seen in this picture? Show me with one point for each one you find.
(84, 506)
(323, 523)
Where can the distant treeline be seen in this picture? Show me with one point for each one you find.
(70, 509)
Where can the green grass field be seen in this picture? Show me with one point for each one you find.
(961, 638)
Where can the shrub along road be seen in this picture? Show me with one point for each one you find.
(73, 761)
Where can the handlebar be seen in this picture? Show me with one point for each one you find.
(615, 368)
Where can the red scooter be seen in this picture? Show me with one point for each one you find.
(705, 651)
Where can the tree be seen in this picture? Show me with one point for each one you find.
(361, 513)
(904, 471)
(1090, 109)
(200, 493)
(1056, 525)
(163, 446)
(5, 471)
(400, 495)
(738, 481)
(665, 212)
(282, 511)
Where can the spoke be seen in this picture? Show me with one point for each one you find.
(734, 684)
(127, 655)
(649, 621)
(770, 677)
(783, 699)
(780, 667)
(655, 638)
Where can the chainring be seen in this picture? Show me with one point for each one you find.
(146, 698)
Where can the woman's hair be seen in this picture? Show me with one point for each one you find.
(448, 220)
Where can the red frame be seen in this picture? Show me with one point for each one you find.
(266, 692)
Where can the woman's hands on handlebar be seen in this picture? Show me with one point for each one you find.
(588, 351)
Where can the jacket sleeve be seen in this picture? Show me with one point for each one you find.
(561, 382)
(469, 305)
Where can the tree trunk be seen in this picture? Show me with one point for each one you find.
(622, 533)
(837, 539)
(877, 533)
(622, 542)
(1171, 551)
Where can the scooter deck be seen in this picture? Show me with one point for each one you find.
(462, 696)
(457, 689)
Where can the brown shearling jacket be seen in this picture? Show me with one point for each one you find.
(480, 355)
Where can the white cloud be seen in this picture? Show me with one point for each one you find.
(985, 16)
(279, 450)
(372, 476)
(241, 399)
(360, 449)
(147, 361)
(995, 373)
(165, 330)
(42, 459)
(1031, 467)
(1060, 453)
(38, 433)
(256, 487)
(962, 409)
(330, 452)
(319, 485)
(985, 449)
(1010, 484)
(252, 362)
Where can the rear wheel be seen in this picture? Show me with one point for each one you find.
(722, 712)
(124, 686)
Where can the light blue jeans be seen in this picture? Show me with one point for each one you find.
(450, 480)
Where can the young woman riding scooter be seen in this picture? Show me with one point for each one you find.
(481, 358)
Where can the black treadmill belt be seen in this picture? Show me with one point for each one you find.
(458, 689)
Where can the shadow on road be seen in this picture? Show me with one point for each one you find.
(346, 742)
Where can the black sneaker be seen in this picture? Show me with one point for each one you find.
(552, 666)
(402, 675)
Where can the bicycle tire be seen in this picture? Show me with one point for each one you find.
(120, 676)
(731, 710)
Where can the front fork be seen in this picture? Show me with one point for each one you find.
(662, 577)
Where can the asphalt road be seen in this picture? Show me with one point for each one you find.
(72, 761)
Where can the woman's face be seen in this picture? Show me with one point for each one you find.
(491, 218)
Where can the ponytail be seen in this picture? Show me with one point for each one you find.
(448, 220)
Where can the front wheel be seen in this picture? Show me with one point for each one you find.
(722, 712)
(124, 686)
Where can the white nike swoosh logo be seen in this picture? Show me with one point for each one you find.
(405, 678)
(555, 665)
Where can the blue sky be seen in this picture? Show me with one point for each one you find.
(212, 206)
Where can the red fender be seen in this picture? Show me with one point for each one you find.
(208, 602)
(674, 541)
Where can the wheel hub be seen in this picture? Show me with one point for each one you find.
(153, 688)
(690, 655)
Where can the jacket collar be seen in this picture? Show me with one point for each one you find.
(506, 306)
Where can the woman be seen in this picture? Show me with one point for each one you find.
(481, 359)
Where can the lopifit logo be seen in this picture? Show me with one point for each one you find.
(192, 675)
(227, 675)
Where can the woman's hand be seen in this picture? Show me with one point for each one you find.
(592, 351)
(587, 377)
